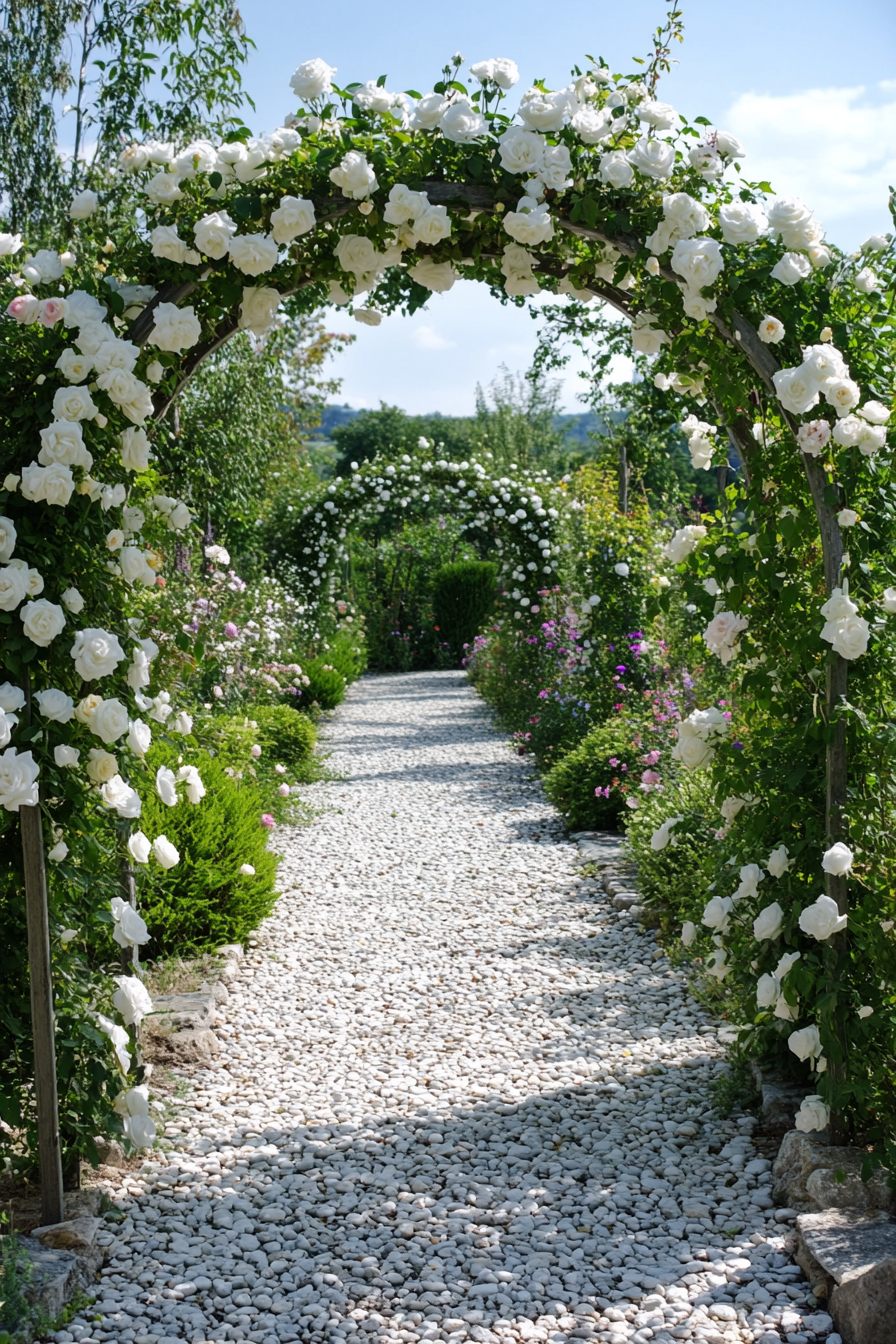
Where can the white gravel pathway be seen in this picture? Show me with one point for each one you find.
(459, 1095)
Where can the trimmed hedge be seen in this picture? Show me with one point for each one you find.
(463, 594)
(284, 735)
(572, 783)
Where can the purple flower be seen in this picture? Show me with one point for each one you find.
(231, 630)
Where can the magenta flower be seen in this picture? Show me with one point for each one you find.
(267, 820)
(231, 631)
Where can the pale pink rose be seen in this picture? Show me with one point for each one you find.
(25, 308)
(51, 311)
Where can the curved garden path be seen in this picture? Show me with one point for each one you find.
(459, 1095)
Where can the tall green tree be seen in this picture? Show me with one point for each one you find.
(79, 79)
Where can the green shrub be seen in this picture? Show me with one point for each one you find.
(204, 901)
(347, 654)
(589, 785)
(326, 686)
(463, 594)
(283, 734)
(674, 879)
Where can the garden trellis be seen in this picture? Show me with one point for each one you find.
(521, 515)
(372, 200)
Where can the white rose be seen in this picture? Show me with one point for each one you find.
(771, 330)
(131, 396)
(10, 243)
(134, 450)
(116, 354)
(594, 125)
(866, 281)
(742, 222)
(175, 329)
(616, 170)
(130, 929)
(213, 232)
(355, 176)
(875, 412)
(837, 859)
(461, 122)
(19, 773)
(888, 601)
(195, 789)
(428, 112)
(63, 441)
(822, 919)
(847, 517)
(163, 189)
(788, 213)
(292, 218)
(688, 932)
(521, 151)
(73, 366)
(778, 861)
(797, 390)
(96, 653)
(312, 80)
(121, 797)
(166, 243)
(11, 697)
(812, 1115)
(654, 158)
(133, 159)
(698, 261)
(115, 539)
(44, 266)
(13, 587)
(109, 720)
(661, 116)
(133, 519)
(438, 276)
(166, 786)
(135, 567)
(662, 835)
(369, 317)
(848, 637)
(198, 157)
(546, 111)
(258, 309)
(683, 542)
(247, 870)
(42, 621)
(66, 756)
(82, 308)
(722, 634)
(101, 765)
(139, 847)
(55, 705)
(717, 913)
(183, 723)
(356, 254)
(139, 737)
(531, 224)
(813, 436)
(253, 253)
(165, 852)
(718, 966)
(792, 268)
(432, 225)
(7, 723)
(7, 538)
(767, 991)
(58, 852)
(72, 599)
(73, 403)
(843, 394)
(133, 1001)
(806, 1043)
(767, 923)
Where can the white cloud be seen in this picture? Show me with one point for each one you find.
(834, 147)
(427, 338)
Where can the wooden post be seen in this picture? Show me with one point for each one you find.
(52, 1202)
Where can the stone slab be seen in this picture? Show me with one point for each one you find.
(600, 846)
(857, 1254)
(812, 1174)
(174, 1012)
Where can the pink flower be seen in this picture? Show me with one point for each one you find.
(231, 630)
(650, 779)
(24, 308)
(267, 820)
(255, 750)
(51, 310)
(651, 758)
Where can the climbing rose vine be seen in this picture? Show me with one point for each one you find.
(371, 200)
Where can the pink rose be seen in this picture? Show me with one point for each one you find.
(267, 820)
(649, 780)
(51, 310)
(25, 308)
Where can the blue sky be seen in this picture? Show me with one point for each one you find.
(809, 89)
